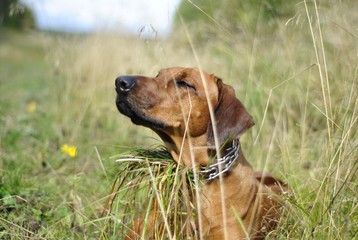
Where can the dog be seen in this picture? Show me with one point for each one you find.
(200, 120)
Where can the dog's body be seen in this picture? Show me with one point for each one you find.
(176, 105)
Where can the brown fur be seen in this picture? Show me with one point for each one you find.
(175, 105)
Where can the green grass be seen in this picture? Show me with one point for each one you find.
(298, 79)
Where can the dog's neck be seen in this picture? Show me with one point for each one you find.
(196, 153)
(191, 153)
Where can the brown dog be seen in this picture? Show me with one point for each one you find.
(236, 202)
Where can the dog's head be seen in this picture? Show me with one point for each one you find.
(175, 104)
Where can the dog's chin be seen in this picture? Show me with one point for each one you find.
(137, 116)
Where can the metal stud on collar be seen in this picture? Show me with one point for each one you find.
(212, 171)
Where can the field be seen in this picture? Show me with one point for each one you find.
(60, 132)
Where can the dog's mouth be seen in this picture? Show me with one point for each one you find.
(136, 115)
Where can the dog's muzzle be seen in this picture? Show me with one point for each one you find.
(131, 105)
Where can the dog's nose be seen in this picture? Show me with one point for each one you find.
(125, 83)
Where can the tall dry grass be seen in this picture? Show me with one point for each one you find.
(298, 80)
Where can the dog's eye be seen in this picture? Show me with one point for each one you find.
(181, 83)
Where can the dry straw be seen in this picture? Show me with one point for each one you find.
(150, 180)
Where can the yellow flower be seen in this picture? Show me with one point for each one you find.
(72, 151)
(31, 106)
(69, 150)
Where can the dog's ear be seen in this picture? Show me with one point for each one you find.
(231, 117)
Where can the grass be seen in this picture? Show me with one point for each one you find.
(297, 78)
(152, 176)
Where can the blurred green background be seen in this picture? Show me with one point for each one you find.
(293, 64)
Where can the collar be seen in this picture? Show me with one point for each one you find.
(213, 171)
